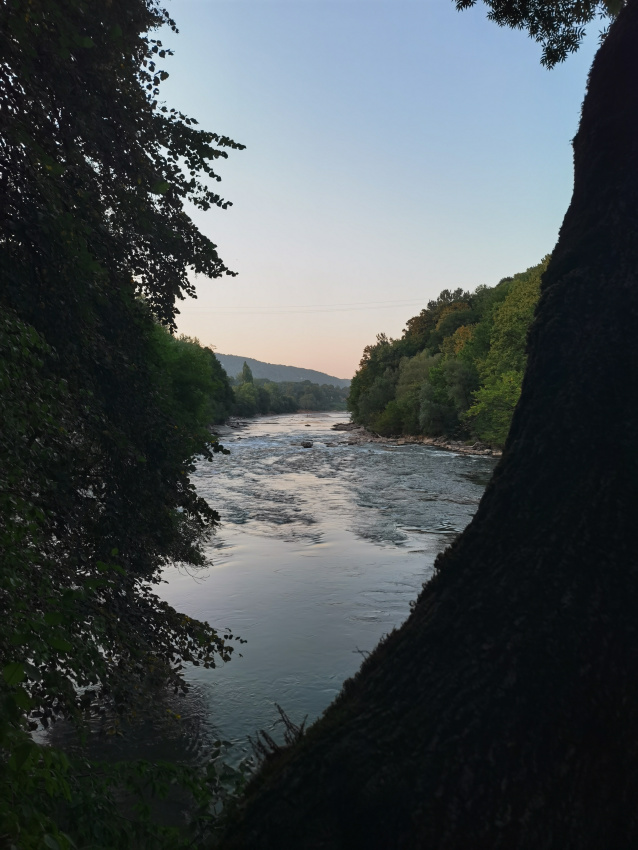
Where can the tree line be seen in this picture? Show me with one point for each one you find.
(198, 389)
(458, 367)
(254, 396)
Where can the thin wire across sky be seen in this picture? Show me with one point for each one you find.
(312, 308)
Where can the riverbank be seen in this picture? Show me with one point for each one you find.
(230, 426)
(360, 435)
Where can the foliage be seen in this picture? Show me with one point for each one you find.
(260, 396)
(491, 413)
(558, 27)
(50, 799)
(108, 168)
(281, 396)
(250, 399)
(374, 383)
(194, 388)
(103, 412)
(246, 375)
(510, 322)
(312, 396)
(436, 413)
(457, 369)
(78, 633)
(501, 370)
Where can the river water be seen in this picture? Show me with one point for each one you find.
(320, 552)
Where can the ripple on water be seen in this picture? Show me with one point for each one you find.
(320, 553)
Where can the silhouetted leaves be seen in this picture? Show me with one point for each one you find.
(98, 434)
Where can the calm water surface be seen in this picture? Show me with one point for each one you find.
(320, 552)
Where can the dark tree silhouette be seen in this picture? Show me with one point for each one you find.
(504, 713)
(96, 438)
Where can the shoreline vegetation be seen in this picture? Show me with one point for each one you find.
(455, 374)
(361, 435)
(253, 396)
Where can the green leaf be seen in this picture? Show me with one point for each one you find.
(22, 699)
(53, 618)
(118, 569)
(59, 643)
(13, 673)
(160, 188)
(22, 755)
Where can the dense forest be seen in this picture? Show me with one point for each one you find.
(200, 390)
(191, 377)
(253, 396)
(457, 370)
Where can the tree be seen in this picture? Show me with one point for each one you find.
(501, 371)
(460, 344)
(95, 248)
(195, 389)
(504, 712)
(246, 374)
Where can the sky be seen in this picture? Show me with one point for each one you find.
(394, 148)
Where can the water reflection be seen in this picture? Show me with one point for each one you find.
(320, 553)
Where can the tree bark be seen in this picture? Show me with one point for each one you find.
(504, 712)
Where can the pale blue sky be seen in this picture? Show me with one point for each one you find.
(394, 148)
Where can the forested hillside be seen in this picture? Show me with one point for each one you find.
(458, 367)
(277, 372)
(253, 396)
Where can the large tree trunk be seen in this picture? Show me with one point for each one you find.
(504, 713)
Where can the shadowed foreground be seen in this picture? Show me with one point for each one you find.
(504, 713)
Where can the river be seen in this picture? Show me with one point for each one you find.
(319, 554)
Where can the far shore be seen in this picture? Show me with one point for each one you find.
(359, 434)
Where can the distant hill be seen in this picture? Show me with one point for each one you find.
(232, 364)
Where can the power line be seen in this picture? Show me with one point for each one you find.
(307, 308)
